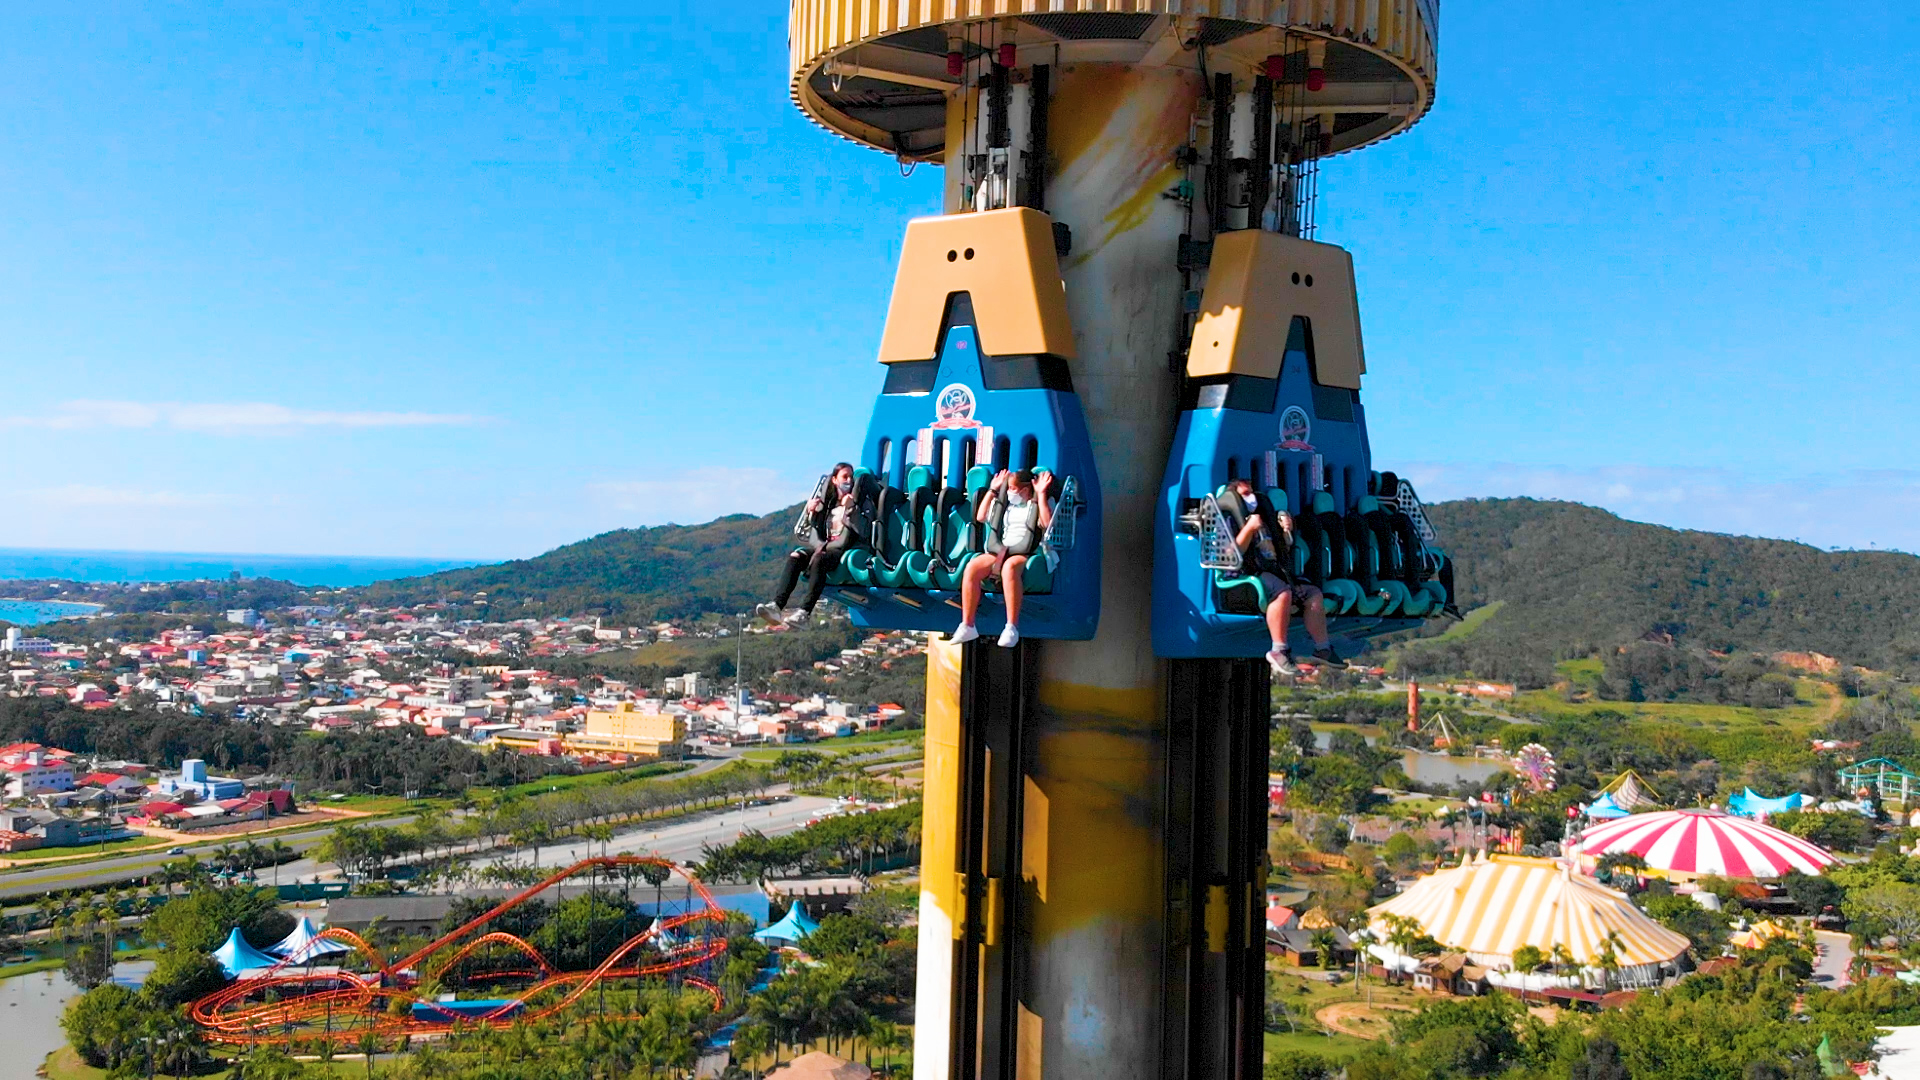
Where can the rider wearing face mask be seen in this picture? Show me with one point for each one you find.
(1017, 514)
(839, 524)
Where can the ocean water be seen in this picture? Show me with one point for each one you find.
(124, 566)
(35, 612)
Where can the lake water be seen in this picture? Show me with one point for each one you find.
(35, 612)
(120, 566)
(30, 1008)
(1440, 769)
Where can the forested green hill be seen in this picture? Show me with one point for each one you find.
(1576, 582)
(629, 575)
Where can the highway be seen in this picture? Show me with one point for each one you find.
(17, 884)
(679, 841)
(30, 883)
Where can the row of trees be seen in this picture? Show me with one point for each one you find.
(588, 809)
(847, 843)
(388, 761)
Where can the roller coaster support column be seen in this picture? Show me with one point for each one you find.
(1062, 908)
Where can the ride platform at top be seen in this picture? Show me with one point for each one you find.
(882, 72)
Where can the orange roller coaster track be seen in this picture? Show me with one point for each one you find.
(288, 1003)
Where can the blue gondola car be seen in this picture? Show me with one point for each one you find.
(1273, 394)
(976, 349)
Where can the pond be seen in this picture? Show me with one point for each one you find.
(1440, 769)
(30, 1008)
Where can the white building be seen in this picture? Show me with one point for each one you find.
(35, 773)
(15, 643)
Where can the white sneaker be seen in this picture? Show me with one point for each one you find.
(965, 634)
(1281, 663)
(1009, 637)
(769, 611)
(797, 616)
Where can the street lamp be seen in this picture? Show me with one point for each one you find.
(739, 659)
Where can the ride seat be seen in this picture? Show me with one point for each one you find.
(1341, 591)
(1389, 586)
(1037, 576)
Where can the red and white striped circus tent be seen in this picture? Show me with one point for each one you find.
(1694, 843)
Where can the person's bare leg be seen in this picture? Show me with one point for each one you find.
(972, 584)
(1279, 613)
(1315, 614)
(1013, 584)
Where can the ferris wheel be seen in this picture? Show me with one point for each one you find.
(1536, 766)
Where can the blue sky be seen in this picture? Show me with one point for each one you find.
(476, 286)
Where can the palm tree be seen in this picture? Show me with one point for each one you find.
(225, 857)
(1562, 957)
(278, 851)
(886, 1037)
(368, 1044)
(1609, 958)
(753, 1042)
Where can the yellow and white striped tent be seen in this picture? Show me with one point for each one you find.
(1488, 907)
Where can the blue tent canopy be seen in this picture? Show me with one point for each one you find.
(236, 956)
(1604, 808)
(305, 944)
(794, 927)
(1752, 804)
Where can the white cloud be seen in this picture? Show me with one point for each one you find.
(91, 497)
(244, 417)
(698, 495)
(1848, 509)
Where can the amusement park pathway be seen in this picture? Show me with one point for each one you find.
(1835, 957)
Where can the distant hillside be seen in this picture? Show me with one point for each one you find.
(1576, 581)
(628, 575)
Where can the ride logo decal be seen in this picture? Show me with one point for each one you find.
(953, 407)
(1296, 430)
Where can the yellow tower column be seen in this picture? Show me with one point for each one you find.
(1094, 980)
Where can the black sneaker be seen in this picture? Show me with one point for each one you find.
(1328, 658)
(1452, 612)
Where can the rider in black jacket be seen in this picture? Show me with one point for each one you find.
(1265, 537)
(839, 521)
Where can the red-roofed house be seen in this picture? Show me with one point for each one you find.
(113, 782)
(36, 772)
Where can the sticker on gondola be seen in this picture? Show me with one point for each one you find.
(1296, 431)
(953, 408)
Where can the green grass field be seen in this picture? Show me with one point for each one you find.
(1336, 1047)
(649, 771)
(79, 852)
(1720, 718)
(1473, 621)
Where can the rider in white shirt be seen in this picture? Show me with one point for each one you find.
(1018, 503)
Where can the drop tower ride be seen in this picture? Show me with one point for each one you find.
(1125, 291)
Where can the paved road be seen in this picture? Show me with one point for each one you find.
(1833, 959)
(26, 883)
(19, 884)
(679, 841)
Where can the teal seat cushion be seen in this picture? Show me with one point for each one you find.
(1397, 597)
(1037, 577)
(858, 565)
(1342, 595)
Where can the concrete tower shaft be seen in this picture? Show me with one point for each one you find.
(1090, 869)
